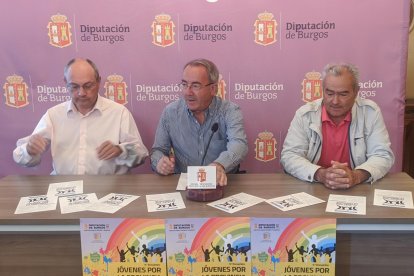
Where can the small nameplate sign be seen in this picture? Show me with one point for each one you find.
(201, 177)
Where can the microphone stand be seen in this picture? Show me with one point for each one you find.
(214, 128)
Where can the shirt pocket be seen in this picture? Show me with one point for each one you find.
(217, 146)
(359, 149)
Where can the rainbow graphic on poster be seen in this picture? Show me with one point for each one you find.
(208, 246)
(288, 246)
(117, 247)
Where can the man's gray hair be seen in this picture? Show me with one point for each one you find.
(91, 63)
(212, 71)
(337, 69)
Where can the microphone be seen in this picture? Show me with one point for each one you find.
(214, 128)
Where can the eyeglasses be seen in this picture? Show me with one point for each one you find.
(195, 86)
(73, 87)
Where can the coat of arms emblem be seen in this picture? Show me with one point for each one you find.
(221, 88)
(265, 147)
(201, 175)
(59, 31)
(16, 91)
(115, 89)
(312, 87)
(163, 30)
(265, 29)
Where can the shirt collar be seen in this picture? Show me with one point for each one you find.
(99, 106)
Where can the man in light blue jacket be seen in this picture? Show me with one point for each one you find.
(340, 140)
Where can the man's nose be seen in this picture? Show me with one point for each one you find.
(335, 98)
(81, 91)
(189, 91)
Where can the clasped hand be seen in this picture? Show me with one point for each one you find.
(340, 176)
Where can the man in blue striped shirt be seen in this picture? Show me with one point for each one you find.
(199, 128)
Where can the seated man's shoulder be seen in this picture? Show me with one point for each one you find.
(175, 106)
(368, 104)
(59, 107)
(112, 105)
(227, 105)
(309, 107)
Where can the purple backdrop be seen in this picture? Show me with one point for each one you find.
(269, 54)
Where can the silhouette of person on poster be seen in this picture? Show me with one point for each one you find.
(121, 255)
(291, 254)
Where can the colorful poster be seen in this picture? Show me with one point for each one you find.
(288, 246)
(119, 247)
(208, 246)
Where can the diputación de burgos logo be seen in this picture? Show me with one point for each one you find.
(59, 31)
(163, 30)
(221, 88)
(201, 175)
(312, 86)
(265, 146)
(265, 29)
(115, 89)
(16, 91)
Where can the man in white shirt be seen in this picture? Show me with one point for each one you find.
(88, 134)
